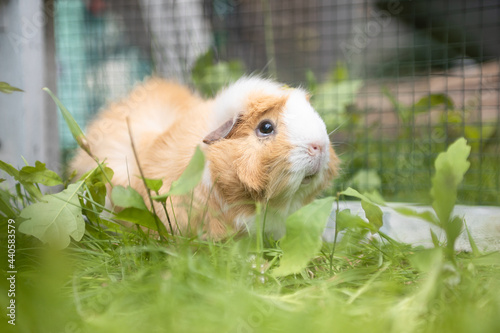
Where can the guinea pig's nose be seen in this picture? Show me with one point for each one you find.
(314, 148)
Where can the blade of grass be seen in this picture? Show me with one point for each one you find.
(148, 191)
(75, 130)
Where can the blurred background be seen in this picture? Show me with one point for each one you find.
(395, 81)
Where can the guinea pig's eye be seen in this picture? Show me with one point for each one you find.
(265, 128)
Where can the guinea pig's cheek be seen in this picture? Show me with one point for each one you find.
(298, 160)
(301, 167)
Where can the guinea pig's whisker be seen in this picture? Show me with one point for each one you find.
(334, 130)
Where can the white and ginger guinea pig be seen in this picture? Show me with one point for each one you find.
(263, 142)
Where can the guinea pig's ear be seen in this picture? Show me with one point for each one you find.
(221, 132)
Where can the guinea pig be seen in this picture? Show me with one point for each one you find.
(263, 143)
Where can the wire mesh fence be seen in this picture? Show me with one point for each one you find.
(395, 81)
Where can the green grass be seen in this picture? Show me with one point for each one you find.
(135, 283)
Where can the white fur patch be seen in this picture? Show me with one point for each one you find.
(206, 178)
(233, 100)
(304, 127)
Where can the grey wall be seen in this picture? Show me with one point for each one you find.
(28, 120)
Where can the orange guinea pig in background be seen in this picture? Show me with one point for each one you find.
(262, 142)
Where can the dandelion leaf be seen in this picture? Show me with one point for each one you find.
(303, 236)
(450, 169)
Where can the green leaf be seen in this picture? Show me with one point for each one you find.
(19, 191)
(453, 229)
(373, 198)
(93, 201)
(303, 236)
(373, 214)
(7, 88)
(347, 220)
(428, 102)
(101, 174)
(5, 204)
(28, 186)
(2, 180)
(450, 169)
(56, 218)
(11, 171)
(39, 174)
(472, 242)
(189, 178)
(97, 193)
(426, 215)
(154, 184)
(435, 239)
(127, 198)
(75, 130)
(141, 217)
